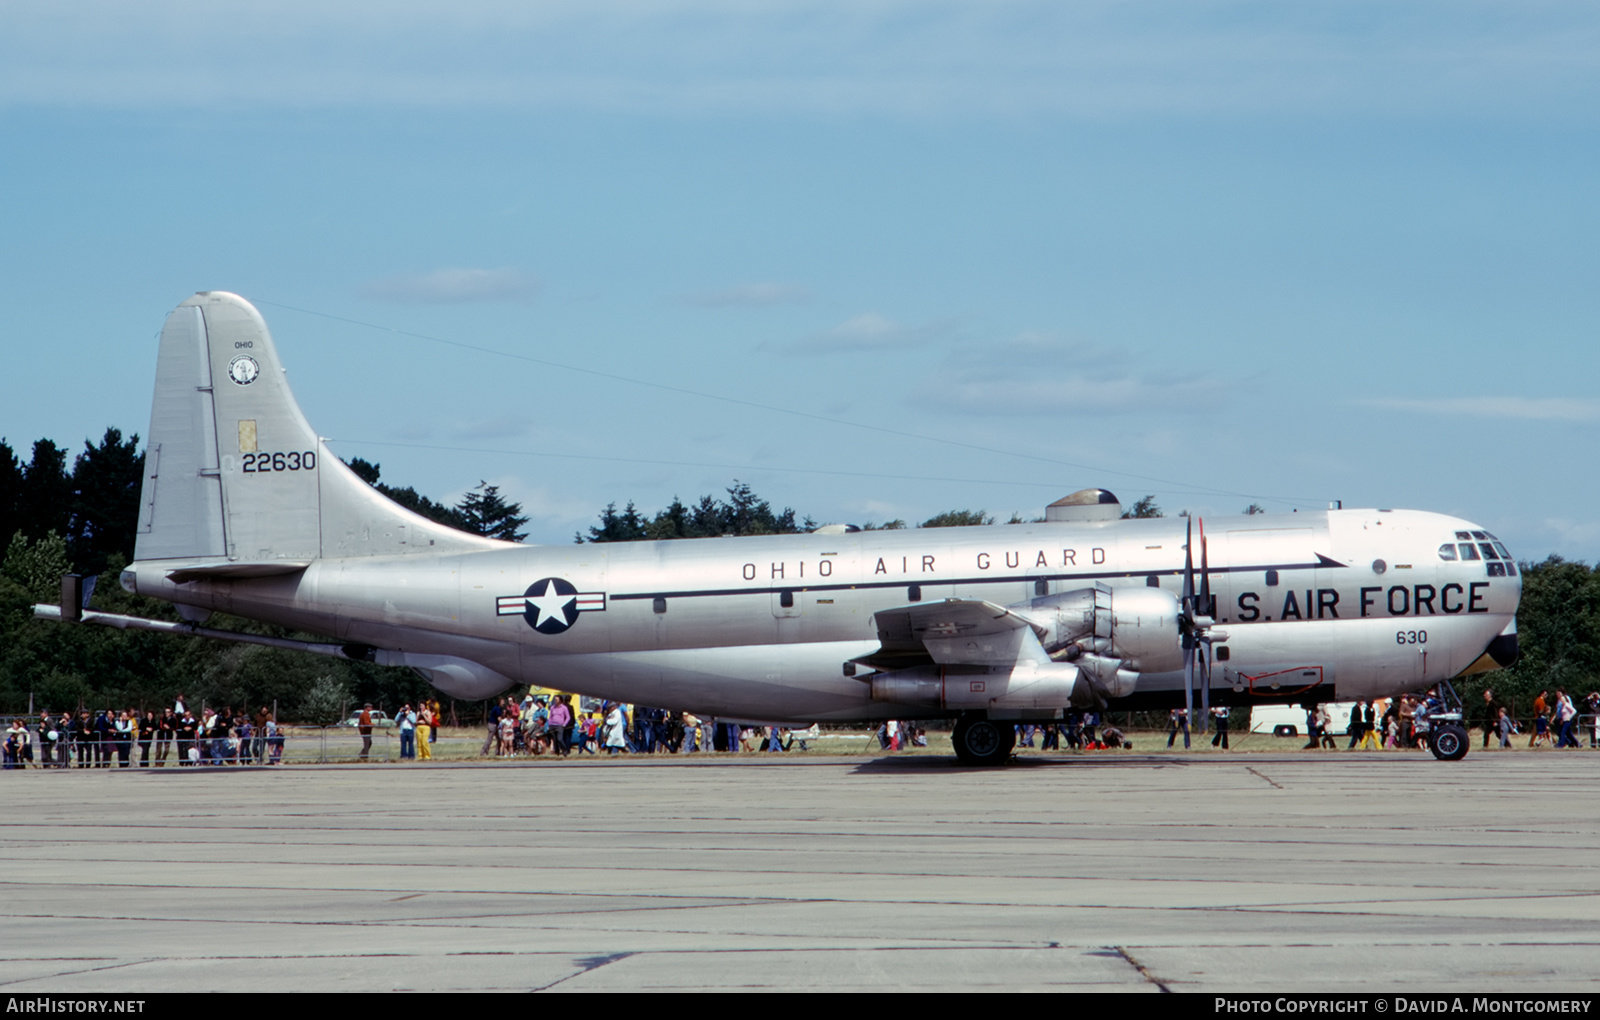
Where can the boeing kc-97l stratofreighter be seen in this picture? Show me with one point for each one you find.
(244, 510)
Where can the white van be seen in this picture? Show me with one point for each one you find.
(1290, 720)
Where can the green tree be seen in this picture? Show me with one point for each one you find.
(485, 512)
(627, 526)
(742, 513)
(1143, 508)
(324, 703)
(957, 519)
(105, 500)
(45, 502)
(35, 565)
(10, 491)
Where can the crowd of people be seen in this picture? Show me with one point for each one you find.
(1403, 722)
(1085, 731)
(1555, 718)
(112, 738)
(552, 724)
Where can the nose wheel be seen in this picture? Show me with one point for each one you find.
(979, 741)
(1449, 743)
(1447, 731)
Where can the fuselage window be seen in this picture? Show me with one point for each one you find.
(1468, 551)
(1223, 653)
(1152, 581)
(786, 599)
(914, 593)
(1041, 588)
(1447, 551)
(1272, 579)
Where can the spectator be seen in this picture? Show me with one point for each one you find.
(364, 727)
(406, 724)
(1178, 719)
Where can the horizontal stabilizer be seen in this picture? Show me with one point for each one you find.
(237, 570)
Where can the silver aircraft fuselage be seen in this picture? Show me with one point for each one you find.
(245, 510)
(1335, 605)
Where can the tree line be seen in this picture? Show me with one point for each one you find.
(81, 517)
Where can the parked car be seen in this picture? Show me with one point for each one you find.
(380, 720)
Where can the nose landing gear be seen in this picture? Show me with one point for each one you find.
(1443, 718)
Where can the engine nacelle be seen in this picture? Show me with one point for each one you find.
(1025, 686)
(1136, 625)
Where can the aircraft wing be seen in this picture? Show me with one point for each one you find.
(953, 632)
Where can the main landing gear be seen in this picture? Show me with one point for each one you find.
(980, 741)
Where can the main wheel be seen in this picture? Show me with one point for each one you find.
(1449, 743)
(983, 741)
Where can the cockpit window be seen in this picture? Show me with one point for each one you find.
(1488, 551)
(1502, 551)
(1479, 534)
(1463, 534)
(1468, 551)
(1447, 551)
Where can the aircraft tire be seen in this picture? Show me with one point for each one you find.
(981, 742)
(1449, 743)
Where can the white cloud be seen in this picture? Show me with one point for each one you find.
(1035, 373)
(866, 332)
(454, 286)
(751, 295)
(1527, 408)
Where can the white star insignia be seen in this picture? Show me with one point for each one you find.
(551, 604)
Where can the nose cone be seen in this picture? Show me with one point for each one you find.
(1504, 649)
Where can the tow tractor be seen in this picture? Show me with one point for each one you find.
(1441, 718)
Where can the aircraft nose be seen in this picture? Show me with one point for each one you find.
(1504, 649)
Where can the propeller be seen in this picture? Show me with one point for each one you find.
(1193, 624)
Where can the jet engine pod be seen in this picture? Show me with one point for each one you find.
(452, 675)
(1026, 685)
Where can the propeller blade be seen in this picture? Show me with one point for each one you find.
(1204, 649)
(1204, 607)
(1188, 569)
(1188, 689)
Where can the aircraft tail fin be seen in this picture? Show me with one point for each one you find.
(234, 472)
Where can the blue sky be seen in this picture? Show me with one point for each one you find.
(929, 255)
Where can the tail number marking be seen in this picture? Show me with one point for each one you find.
(266, 463)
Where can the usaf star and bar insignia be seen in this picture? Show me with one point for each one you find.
(551, 605)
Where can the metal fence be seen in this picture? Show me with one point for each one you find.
(298, 745)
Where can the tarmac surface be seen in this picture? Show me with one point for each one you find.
(1113, 871)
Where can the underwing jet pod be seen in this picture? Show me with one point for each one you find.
(244, 510)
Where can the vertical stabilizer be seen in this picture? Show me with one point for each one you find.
(235, 473)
